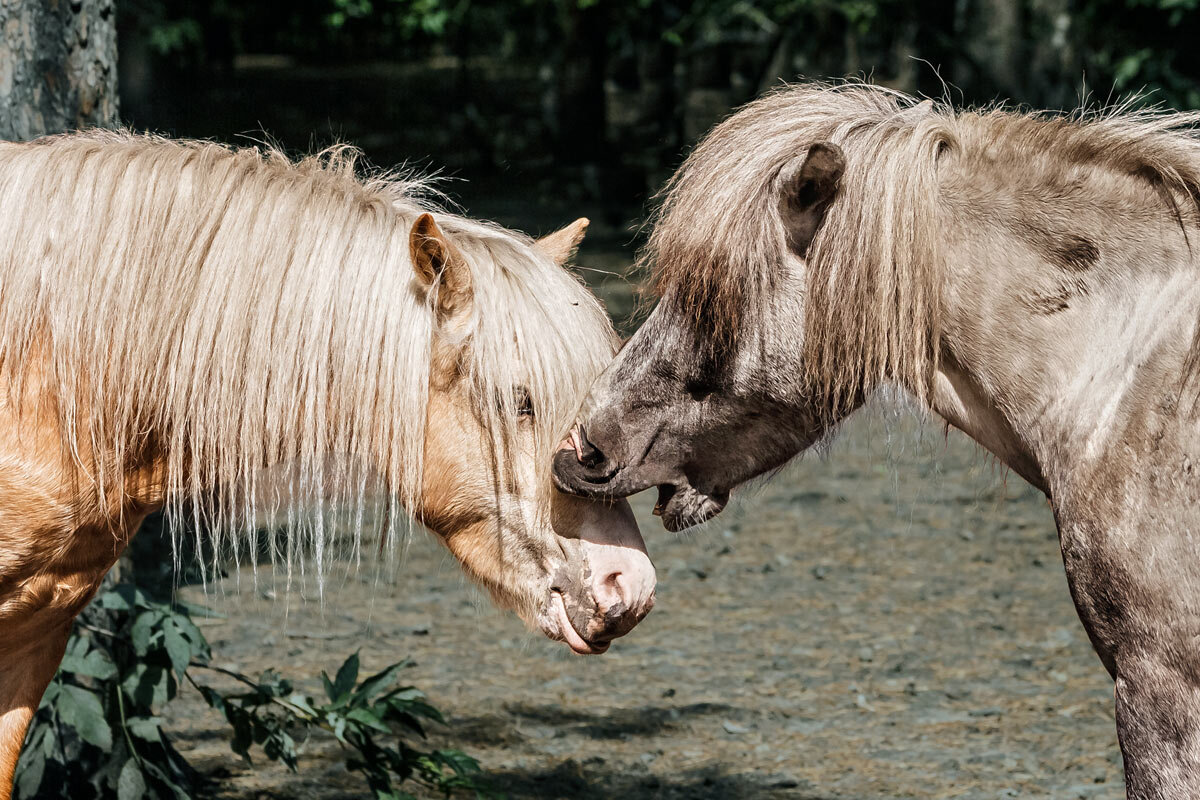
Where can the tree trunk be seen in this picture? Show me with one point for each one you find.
(997, 44)
(58, 66)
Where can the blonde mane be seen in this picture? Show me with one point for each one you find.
(234, 311)
(872, 307)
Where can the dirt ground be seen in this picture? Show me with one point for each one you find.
(889, 622)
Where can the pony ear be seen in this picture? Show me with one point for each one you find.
(561, 244)
(437, 262)
(806, 189)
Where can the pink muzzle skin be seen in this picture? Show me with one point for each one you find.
(617, 573)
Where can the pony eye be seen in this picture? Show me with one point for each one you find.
(523, 402)
(699, 388)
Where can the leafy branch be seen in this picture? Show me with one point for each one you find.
(98, 732)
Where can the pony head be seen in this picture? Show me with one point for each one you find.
(283, 340)
(510, 350)
(794, 259)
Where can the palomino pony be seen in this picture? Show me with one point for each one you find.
(176, 317)
(1031, 278)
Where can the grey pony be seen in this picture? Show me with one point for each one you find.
(1031, 278)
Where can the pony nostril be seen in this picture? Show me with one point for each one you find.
(613, 590)
(589, 455)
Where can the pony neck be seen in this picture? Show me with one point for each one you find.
(1055, 368)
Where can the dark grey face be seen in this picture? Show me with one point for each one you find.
(695, 419)
(694, 428)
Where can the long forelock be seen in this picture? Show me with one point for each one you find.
(535, 327)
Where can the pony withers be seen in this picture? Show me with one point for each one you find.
(1031, 278)
(178, 317)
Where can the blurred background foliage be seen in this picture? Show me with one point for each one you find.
(600, 98)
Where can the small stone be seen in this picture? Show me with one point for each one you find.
(984, 712)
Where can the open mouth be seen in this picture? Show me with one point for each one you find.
(682, 506)
(567, 631)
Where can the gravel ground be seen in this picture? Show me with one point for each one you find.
(888, 622)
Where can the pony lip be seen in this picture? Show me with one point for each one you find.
(683, 506)
(571, 477)
(567, 633)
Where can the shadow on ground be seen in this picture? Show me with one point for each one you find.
(594, 779)
(491, 730)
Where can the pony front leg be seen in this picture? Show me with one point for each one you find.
(38, 603)
(24, 676)
(1158, 725)
(1133, 588)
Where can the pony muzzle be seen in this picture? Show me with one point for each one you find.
(605, 588)
(581, 469)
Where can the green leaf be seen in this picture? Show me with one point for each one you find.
(131, 785)
(148, 685)
(408, 721)
(81, 709)
(119, 599)
(169, 778)
(337, 724)
(155, 643)
(279, 746)
(330, 692)
(50, 696)
(199, 645)
(144, 631)
(458, 761)
(243, 733)
(29, 775)
(380, 680)
(178, 648)
(145, 728)
(366, 717)
(96, 664)
(346, 676)
(50, 742)
(214, 698)
(300, 706)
